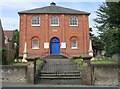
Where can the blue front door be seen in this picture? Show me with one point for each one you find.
(55, 46)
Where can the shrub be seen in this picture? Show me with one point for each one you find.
(4, 56)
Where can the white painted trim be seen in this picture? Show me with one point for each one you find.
(46, 45)
(63, 45)
(76, 18)
(73, 25)
(35, 25)
(74, 47)
(35, 48)
(54, 25)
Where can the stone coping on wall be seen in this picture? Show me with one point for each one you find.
(105, 65)
(13, 66)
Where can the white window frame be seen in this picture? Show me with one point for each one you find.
(73, 18)
(76, 44)
(36, 44)
(33, 19)
(54, 18)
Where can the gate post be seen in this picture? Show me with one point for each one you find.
(87, 71)
(31, 70)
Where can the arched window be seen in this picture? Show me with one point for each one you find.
(35, 21)
(54, 21)
(73, 21)
(74, 43)
(35, 43)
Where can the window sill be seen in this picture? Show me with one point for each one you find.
(73, 25)
(75, 48)
(54, 25)
(35, 48)
(36, 25)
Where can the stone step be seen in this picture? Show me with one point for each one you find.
(78, 74)
(44, 77)
(54, 57)
(58, 75)
(60, 72)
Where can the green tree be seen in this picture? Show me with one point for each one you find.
(112, 41)
(108, 16)
(16, 36)
(16, 40)
(3, 52)
(97, 43)
(108, 24)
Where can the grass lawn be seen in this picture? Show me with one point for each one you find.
(18, 63)
(38, 62)
(104, 61)
(79, 61)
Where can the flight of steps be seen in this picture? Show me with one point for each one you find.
(63, 78)
(63, 75)
(54, 57)
(59, 71)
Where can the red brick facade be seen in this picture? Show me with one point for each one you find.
(45, 32)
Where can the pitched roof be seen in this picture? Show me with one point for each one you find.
(8, 34)
(53, 9)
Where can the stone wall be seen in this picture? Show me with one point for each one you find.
(105, 75)
(14, 74)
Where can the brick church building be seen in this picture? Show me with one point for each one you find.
(54, 30)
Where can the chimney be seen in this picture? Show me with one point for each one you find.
(52, 4)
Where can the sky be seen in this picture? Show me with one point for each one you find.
(10, 17)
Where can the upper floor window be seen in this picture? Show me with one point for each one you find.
(35, 21)
(73, 21)
(54, 21)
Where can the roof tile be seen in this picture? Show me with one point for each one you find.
(53, 9)
(8, 34)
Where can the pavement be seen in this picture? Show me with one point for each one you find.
(47, 85)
